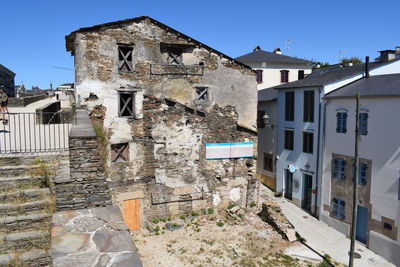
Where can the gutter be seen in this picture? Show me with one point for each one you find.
(318, 155)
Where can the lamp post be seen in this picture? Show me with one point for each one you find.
(267, 121)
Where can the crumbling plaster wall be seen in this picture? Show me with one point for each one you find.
(96, 61)
(167, 167)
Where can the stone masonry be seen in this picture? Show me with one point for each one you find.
(162, 96)
(82, 184)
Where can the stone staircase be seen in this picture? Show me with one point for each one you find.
(26, 208)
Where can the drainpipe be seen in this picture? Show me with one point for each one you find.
(367, 67)
(318, 152)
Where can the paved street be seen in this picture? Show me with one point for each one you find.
(322, 237)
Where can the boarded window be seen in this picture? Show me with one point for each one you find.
(308, 107)
(284, 76)
(289, 139)
(268, 162)
(202, 93)
(308, 142)
(126, 104)
(289, 106)
(173, 52)
(125, 58)
(119, 152)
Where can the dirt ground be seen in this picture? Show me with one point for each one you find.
(213, 238)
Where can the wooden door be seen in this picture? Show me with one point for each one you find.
(132, 213)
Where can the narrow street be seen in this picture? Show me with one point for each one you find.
(322, 237)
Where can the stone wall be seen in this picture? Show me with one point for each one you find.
(24, 101)
(166, 166)
(85, 186)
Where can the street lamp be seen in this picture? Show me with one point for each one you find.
(267, 121)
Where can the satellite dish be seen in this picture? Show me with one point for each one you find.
(292, 168)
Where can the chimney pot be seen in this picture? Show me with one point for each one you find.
(387, 55)
(277, 51)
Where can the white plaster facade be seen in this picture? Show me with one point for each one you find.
(271, 72)
(314, 160)
(381, 145)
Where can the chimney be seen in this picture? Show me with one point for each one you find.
(257, 48)
(277, 51)
(397, 49)
(387, 55)
(366, 67)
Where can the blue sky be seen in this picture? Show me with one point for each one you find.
(32, 33)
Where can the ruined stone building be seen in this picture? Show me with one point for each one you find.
(166, 101)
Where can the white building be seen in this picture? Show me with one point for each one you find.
(378, 215)
(273, 69)
(301, 114)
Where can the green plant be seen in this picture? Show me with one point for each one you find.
(41, 170)
(163, 219)
(155, 221)
(230, 206)
(197, 229)
(169, 219)
(220, 223)
(252, 204)
(102, 140)
(210, 211)
(183, 217)
(194, 213)
(300, 238)
(157, 228)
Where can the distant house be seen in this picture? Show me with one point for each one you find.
(7, 81)
(378, 215)
(180, 117)
(273, 68)
(301, 115)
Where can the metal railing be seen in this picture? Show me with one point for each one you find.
(34, 132)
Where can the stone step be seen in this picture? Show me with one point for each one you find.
(35, 257)
(31, 194)
(19, 183)
(25, 241)
(26, 208)
(11, 171)
(41, 221)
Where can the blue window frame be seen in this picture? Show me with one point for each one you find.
(339, 168)
(338, 208)
(341, 122)
(362, 173)
(363, 123)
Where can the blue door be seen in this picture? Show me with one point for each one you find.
(362, 224)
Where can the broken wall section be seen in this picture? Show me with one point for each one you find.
(167, 169)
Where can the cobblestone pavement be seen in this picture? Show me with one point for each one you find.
(92, 237)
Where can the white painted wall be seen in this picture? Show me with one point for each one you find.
(272, 72)
(296, 157)
(382, 146)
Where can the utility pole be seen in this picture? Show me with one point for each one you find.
(355, 184)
